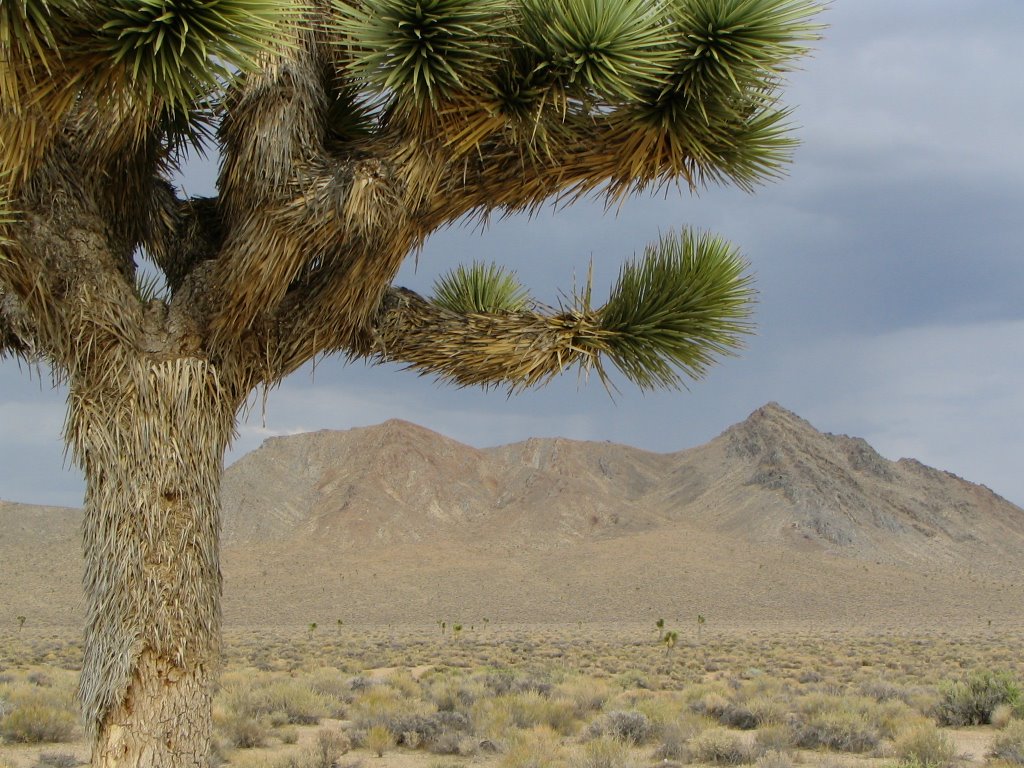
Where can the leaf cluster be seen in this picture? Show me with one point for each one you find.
(480, 288)
(673, 311)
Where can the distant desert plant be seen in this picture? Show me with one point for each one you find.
(242, 730)
(586, 693)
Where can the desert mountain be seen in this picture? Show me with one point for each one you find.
(771, 522)
(772, 480)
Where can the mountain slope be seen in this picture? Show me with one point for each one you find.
(771, 522)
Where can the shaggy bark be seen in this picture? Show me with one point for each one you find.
(151, 445)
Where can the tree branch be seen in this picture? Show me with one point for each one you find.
(516, 350)
(66, 271)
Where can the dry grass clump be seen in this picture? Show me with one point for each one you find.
(526, 710)
(719, 746)
(774, 759)
(1002, 716)
(379, 739)
(605, 752)
(538, 747)
(1008, 744)
(587, 694)
(925, 745)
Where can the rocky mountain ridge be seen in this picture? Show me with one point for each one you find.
(772, 521)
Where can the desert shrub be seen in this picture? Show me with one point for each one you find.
(379, 739)
(738, 715)
(34, 722)
(243, 730)
(882, 690)
(838, 729)
(300, 703)
(775, 738)
(719, 747)
(382, 705)
(39, 678)
(628, 727)
(530, 709)
(328, 748)
(333, 686)
(406, 685)
(712, 703)
(449, 742)
(1008, 744)
(604, 752)
(925, 745)
(587, 694)
(767, 709)
(536, 748)
(672, 742)
(435, 731)
(971, 701)
(449, 694)
(57, 760)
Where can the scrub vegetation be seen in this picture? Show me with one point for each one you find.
(579, 697)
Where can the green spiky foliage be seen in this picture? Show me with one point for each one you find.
(598, 49)
(347, 132)
(426, 50)
(671, 313)
(480, 288)
(183, 50)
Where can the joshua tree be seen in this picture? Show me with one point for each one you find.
(670, 639)
(347, 131)
(21, 622)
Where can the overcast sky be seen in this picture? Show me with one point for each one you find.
(888, 263)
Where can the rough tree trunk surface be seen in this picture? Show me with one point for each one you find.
(151, 442)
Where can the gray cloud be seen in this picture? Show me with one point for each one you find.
(889, 267)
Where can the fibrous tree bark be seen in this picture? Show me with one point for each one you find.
(347, 131)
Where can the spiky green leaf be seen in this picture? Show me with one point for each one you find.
(421, 51)
(179, 51)
(480, 288)
(669, 315)
(609, 48)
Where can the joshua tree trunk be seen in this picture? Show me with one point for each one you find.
(151, 443)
